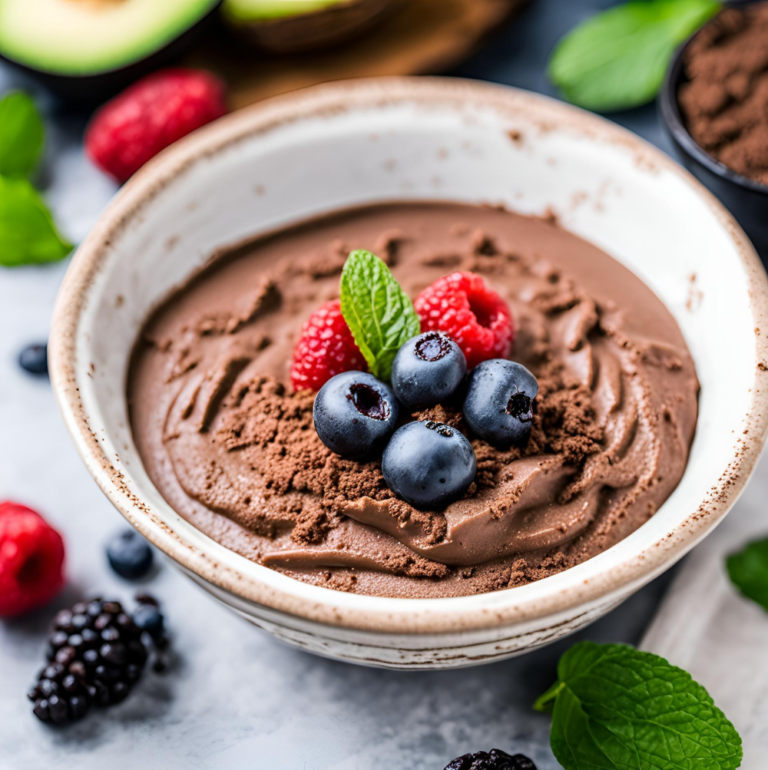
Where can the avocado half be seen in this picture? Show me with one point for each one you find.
(88, 48)
(299, 26)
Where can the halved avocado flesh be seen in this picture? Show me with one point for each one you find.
(87, 37)
(269, 10)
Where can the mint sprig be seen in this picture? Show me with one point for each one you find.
(22, 135)
(617, 59)
(748, 571)
(28, 234)
(616, 708)
(377, 311)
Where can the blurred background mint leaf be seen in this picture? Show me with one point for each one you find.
(22, 135)
(27, 232)
(748, 571)
(617, 59)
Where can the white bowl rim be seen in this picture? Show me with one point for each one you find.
(381, 614)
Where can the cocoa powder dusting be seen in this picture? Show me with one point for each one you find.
(277, 426)
(725, 102)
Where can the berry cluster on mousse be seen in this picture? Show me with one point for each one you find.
(450, 346)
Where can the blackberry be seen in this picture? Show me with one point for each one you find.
(96, 654)
(495, 759)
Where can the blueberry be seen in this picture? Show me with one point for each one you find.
(428, 370)
(148, 618)
(129, 555)
(34, 359)
(355, 414)
(429, 464)
(499, 403)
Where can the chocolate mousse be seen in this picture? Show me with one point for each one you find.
(233, 448)
(725, 101)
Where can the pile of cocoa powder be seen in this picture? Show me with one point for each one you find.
(725, 102)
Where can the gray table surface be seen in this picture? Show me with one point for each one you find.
(234, 697)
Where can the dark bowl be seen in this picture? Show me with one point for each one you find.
(746, 199)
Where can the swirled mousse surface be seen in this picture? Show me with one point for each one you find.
(234, 450)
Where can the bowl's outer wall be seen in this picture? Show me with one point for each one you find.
(408, 651)
(395, 138)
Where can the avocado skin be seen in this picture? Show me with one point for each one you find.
(91, 90)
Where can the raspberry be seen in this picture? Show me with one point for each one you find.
(325, 348)
(151, 115)
(31, 560)
(477, 318)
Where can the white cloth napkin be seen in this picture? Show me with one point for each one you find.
(706, 627)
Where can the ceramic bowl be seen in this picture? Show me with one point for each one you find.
(746, 198)
(371, 140)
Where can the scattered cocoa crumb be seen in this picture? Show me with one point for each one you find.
(387, 246)
(550, 215)
(278, 426)
(483, 244)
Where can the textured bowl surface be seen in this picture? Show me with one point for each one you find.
(365, 141)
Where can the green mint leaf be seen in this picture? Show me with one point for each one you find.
(21, 135)
(378, 312)
(617, 708)
(27, 232)
(748, 571)
(546, 702)
(618, 59)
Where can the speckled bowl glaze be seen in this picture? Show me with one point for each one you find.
(371, 140)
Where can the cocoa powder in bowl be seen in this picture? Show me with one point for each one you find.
(725, 101)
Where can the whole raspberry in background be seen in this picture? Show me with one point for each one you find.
(31, 560)
(474, 316)
(149, 116)
(325, 348)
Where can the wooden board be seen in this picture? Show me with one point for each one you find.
(424, 37)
